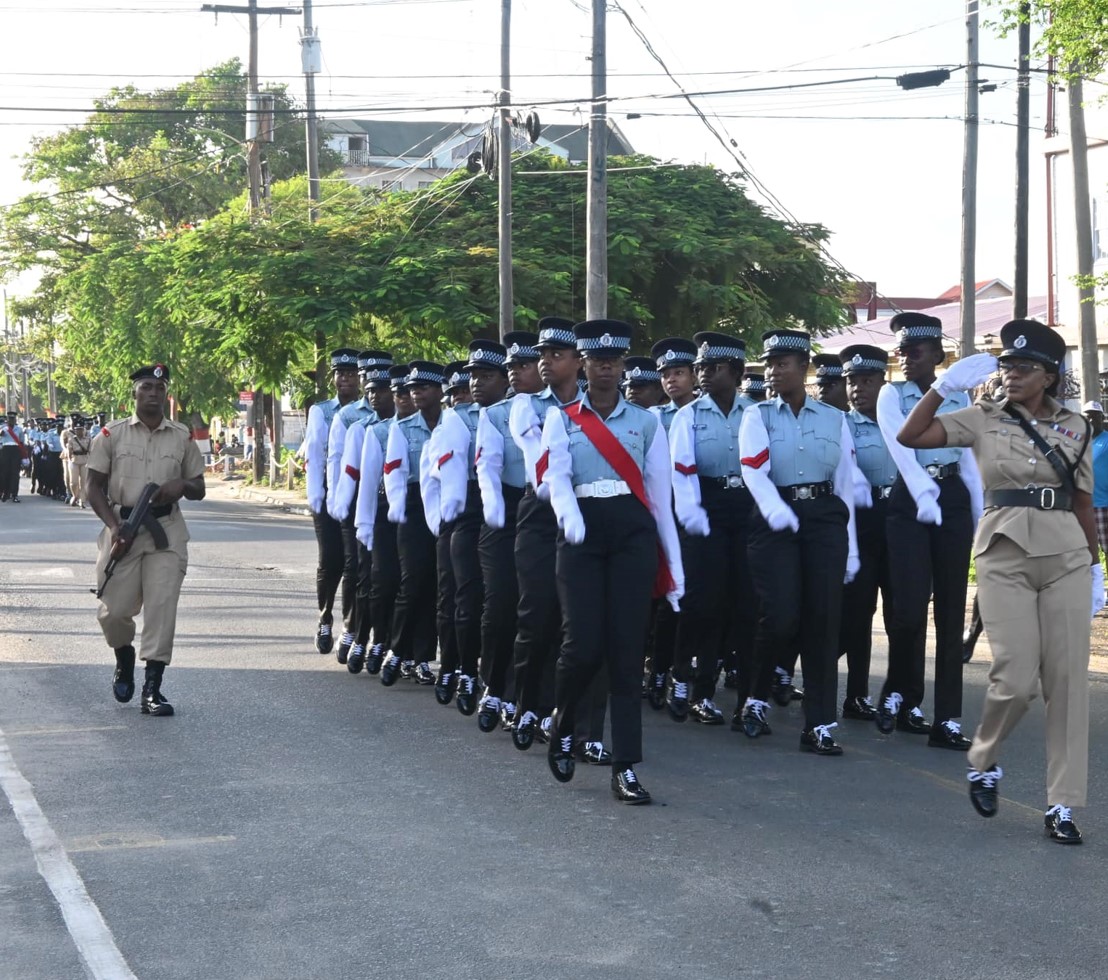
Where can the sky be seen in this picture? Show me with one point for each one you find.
(880, 167)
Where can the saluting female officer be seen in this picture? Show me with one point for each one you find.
(606, 464)
(1036, 554)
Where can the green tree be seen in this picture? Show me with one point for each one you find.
(1075, 32)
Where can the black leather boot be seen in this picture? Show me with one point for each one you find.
(152, 701)
(123, 680)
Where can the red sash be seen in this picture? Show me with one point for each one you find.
(605, 443)
(24, 452)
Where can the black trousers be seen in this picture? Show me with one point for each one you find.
(414, 632)
(928, 562)
(496, 551)
(539, 613)
(328, 574)
(605, 586)
(662, 644)
(350, 576)
(718, 587)
(860, 598)
(385, 577)
(800, 585)
(363, 609)
(10, 458)
(469, 592)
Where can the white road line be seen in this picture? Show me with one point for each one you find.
(95, 944)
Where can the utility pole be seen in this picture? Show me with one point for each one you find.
(969, 189)
(1083, 222)
(504, 155)
(1023, 160)
(596, 265)
(310, 60)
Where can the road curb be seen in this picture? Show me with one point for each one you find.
(262, 497)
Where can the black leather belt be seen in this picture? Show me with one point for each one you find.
(941, 472)
(882, 493)
(807, 491)
(1041, 498)
(731, 482)
(528, 490)
(164, 510)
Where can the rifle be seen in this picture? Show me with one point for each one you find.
(139, 518)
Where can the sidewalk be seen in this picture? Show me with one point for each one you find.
(291, 501)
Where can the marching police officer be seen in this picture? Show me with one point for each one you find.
(11, 458)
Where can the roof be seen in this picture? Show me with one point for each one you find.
(954, 294)
(991, 315)
(406, 138)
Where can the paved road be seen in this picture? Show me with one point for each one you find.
(295, 822)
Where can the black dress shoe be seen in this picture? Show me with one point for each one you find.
(594, 754)
(153, 701)
(656, 691)
(423, 675)
(752, 720)
(887, 711)
(795, 693)
(390, 670)
(705, 712)
(407, 670)
(948, 735)
(324, 639)
(374, 658)
(445, 686)
(523, 732)
(731, 680)
(782, 690)
(860, 709)
(488, 713)
(123, 680)
(982, 789)
(560, 758)
(1059, 825)
(913, 721)
(678, 700)
(819, 741)
(627, 789)
(542, 731)
(355, 661)
(343, 652)
(467, 694)
(507, 716)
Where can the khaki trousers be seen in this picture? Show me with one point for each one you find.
(145, 579)
(1037, 617)
(76, 469)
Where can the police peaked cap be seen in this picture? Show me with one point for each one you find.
(828, 367)
(425, 373)
(776, 342)
(398, 375)
(673, 352)
(1034, 341)
(556, 331)
(521, 346)
(863, 358)
(455, 375)
(718, 347)
(640, 371)
(158, 372)
(754, 382)
(603, 338)
(912, 326)
(344, 359)
(487, 354)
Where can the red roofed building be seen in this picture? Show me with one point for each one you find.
(985, 289)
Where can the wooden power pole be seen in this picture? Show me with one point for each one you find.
(596, 266)
(968, 330)
(1083, 225)
(504, 156)
(1023, 161)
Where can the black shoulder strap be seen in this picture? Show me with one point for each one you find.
(1053, 455)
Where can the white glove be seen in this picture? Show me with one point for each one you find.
(315, 502)
(695, 521)
(397, 513)
(780, 517)
(674, 598)
(853, 565)
(966, 374)
(494, 513)
(928, 510)
(365, 536)
(574, 527)
(1098, 587)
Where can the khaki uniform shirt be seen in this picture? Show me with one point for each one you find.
(1008, 460)
(131, 455)
(77, 446)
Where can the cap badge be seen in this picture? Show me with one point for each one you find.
(636, 372)
(704, 348)
(606, 340)
(414, 374)
(856, 360)
(158, 371)
(671, 354)
(514, 349)
(1021, 342)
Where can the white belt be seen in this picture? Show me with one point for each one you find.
(602, 488)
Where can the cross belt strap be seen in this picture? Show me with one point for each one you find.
(1053, 454)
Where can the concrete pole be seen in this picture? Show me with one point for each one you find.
(1023, 162)
(504, 156)
(596, 265)
(969, 189)
(1083, 223)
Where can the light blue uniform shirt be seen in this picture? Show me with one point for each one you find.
(874, 459)
(910, 395)
(634, 427)
(513, 473)
(380, 428)
(665, 414)
(1099, 449)
(53, 441)
(470, 414)
(5, 436)
(803, 448)
(356, 411)
(716, 436)
(417, 433)
(328, 409)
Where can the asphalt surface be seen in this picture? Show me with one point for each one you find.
(293, 821)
